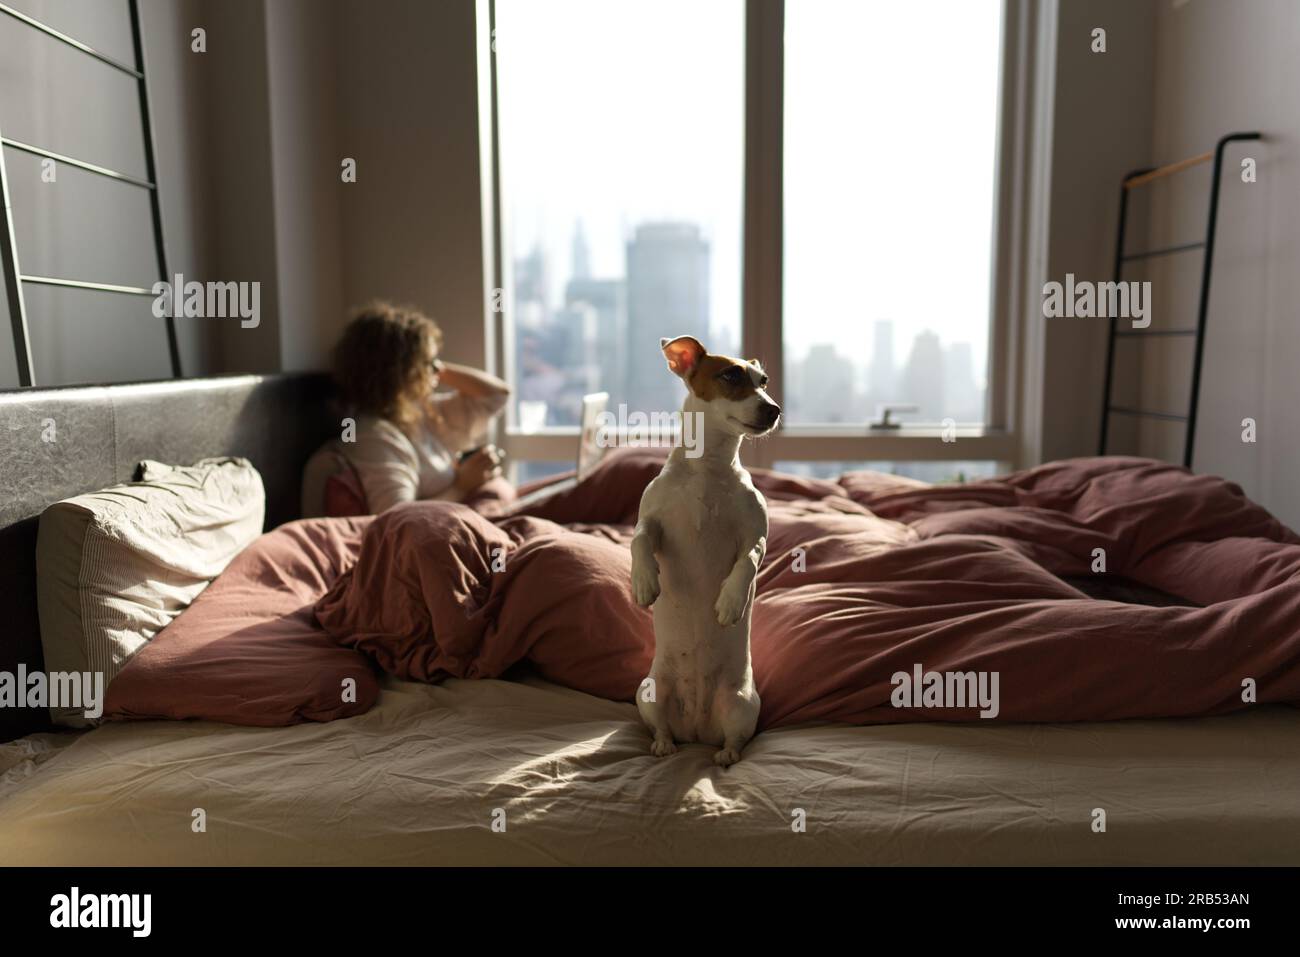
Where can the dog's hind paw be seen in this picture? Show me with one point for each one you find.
(662, 747)
(726, 757)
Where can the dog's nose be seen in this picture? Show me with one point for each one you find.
(771, 412)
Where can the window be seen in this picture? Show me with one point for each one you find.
(621, 168)
(535, 471)
(630, 192)
(938, 472)
(891, 117)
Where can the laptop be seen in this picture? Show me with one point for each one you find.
(590, 452)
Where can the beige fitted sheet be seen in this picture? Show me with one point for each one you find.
(419, 778)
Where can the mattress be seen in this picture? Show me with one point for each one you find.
(526, 772)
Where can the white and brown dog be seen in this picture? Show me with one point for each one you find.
(700, 538)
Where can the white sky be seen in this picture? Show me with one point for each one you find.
(617, 112)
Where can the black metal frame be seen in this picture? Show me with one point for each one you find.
(14, 277)
(1202, 310)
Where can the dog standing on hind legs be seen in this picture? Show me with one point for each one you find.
(700, 538)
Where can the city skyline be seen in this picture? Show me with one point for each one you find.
(581, 334)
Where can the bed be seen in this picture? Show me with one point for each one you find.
(518, 769)
(416, 780)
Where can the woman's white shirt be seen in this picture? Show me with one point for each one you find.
(397, 464)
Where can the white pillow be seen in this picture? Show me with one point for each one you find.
(114, 567)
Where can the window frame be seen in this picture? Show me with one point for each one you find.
(1023, 153)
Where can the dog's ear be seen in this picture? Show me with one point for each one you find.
(683, 354)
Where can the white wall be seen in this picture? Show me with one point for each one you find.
(303, 89)
(178, 90)
(412, 229)
(1176, 77)
(1100, 131)
(391, 84)
(240, 176)
(1222, 66)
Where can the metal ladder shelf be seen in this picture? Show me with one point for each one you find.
(1134, 180)
(14, 278)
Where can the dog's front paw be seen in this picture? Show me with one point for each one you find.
(663, 746)
(730, 605)
(645, 584)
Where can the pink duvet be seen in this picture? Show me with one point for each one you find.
(865, 579)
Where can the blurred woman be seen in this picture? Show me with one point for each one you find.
(410, 439)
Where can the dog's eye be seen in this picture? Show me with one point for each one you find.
(732, 376)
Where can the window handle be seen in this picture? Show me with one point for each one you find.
(886, 411)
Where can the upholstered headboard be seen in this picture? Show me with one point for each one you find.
(55, 443)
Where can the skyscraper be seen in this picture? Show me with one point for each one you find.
(608, 299)
(923, 378)
(965, 398)
(827, 390)
(531, 282)
(667, 295)
(581, 253)
(882, 373)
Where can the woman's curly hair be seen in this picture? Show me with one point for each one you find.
(381, 363)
